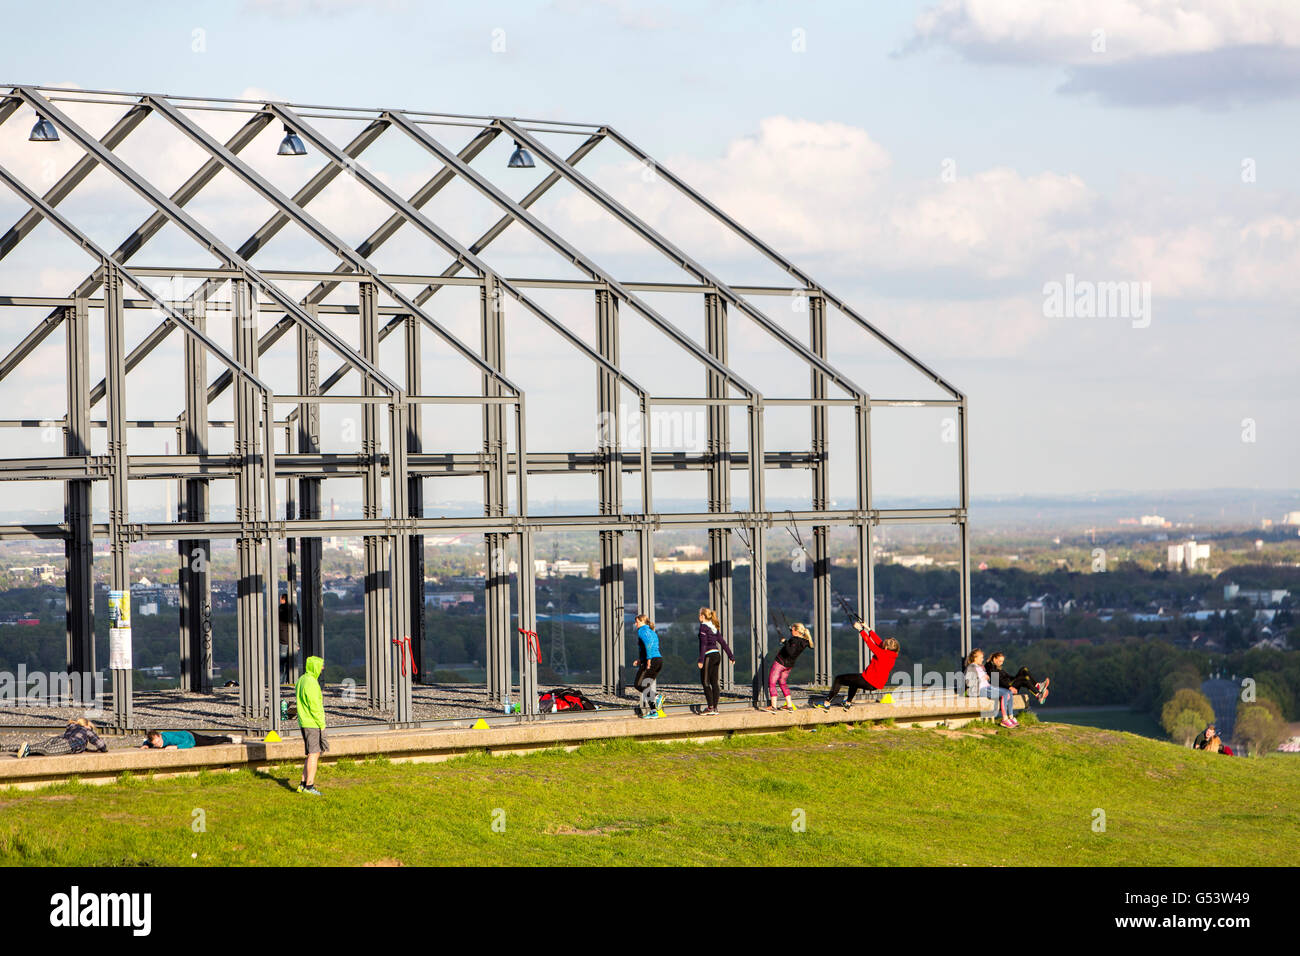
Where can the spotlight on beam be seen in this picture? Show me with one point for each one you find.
(43, 132)
(291, 145)
(520, 158)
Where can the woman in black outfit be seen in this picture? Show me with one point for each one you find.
(712, 644)
(1022, 682)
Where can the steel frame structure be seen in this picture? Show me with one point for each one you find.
(394, 542)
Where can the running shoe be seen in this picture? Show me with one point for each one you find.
(789, 708)
(653, 715)
(1006, 723)
(846, 705)
(825, 705)
(770, 708)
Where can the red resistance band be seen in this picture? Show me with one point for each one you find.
(533, 643)
(405, 642)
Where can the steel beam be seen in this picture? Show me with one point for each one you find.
(813, 287)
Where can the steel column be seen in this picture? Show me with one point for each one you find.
(311, 625)
(195, 553)
(610, 478)
(718, 456)
(415, 491)
(378, 579)
(79, 546)
(527, 623)
(821, 623)
(496, 590)
(250, 620)
(114, 351)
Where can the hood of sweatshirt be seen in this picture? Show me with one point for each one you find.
(315, 665)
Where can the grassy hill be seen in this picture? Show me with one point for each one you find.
(869, 795)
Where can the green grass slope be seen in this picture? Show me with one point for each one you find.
(870, 795)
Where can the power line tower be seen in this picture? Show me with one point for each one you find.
(559, 653)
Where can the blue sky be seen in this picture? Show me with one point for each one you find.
(829, 127)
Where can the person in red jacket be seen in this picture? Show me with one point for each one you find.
(883, 654)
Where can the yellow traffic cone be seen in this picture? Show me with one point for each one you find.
(272, 738)
(480, 724)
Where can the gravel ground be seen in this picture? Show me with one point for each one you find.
(218, 712)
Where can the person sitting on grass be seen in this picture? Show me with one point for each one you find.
(181, 740)
(79, 737)
(648, 665)
(873, 679)
(979, 685)
(1022, 683)
(798, 642)
(1209, 739)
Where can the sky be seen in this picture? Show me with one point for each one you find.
(965, 174)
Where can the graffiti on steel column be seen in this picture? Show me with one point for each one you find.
(207, 634)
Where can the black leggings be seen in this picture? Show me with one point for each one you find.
(711, 678)
(204, 740)
(854, 682)
(1024, 681)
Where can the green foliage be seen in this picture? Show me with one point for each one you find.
(1260, 726)
(1185, 715)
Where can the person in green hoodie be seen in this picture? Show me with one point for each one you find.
(311, 721)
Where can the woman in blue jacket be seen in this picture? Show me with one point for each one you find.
(648, 664)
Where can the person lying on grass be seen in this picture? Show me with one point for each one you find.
(1022, 682)
(79, 737)
(873, 679)
(181, 740)
(1209, 739)
(979, 685)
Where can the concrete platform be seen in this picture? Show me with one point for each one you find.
(504, 735)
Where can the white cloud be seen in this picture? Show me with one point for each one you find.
(1132, 52)
(1061, 31)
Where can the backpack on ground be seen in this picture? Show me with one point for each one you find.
(564, 698)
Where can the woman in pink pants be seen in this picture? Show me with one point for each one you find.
(798, 641)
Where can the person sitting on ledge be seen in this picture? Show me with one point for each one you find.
(1021, 683)
(79, 737)
(181, 740)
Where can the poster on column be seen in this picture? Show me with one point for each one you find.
(119, 630)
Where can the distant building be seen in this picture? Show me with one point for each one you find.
(1189, 553)
(990, 607)
(1262, 598)
(1153, 521)
(1036, 614)
(1291, 517)
(566, 568)
(673, 566)
(914, 560)
(442, 599)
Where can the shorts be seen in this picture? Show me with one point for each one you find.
(314, 740)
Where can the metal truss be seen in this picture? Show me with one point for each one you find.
(394, 535)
